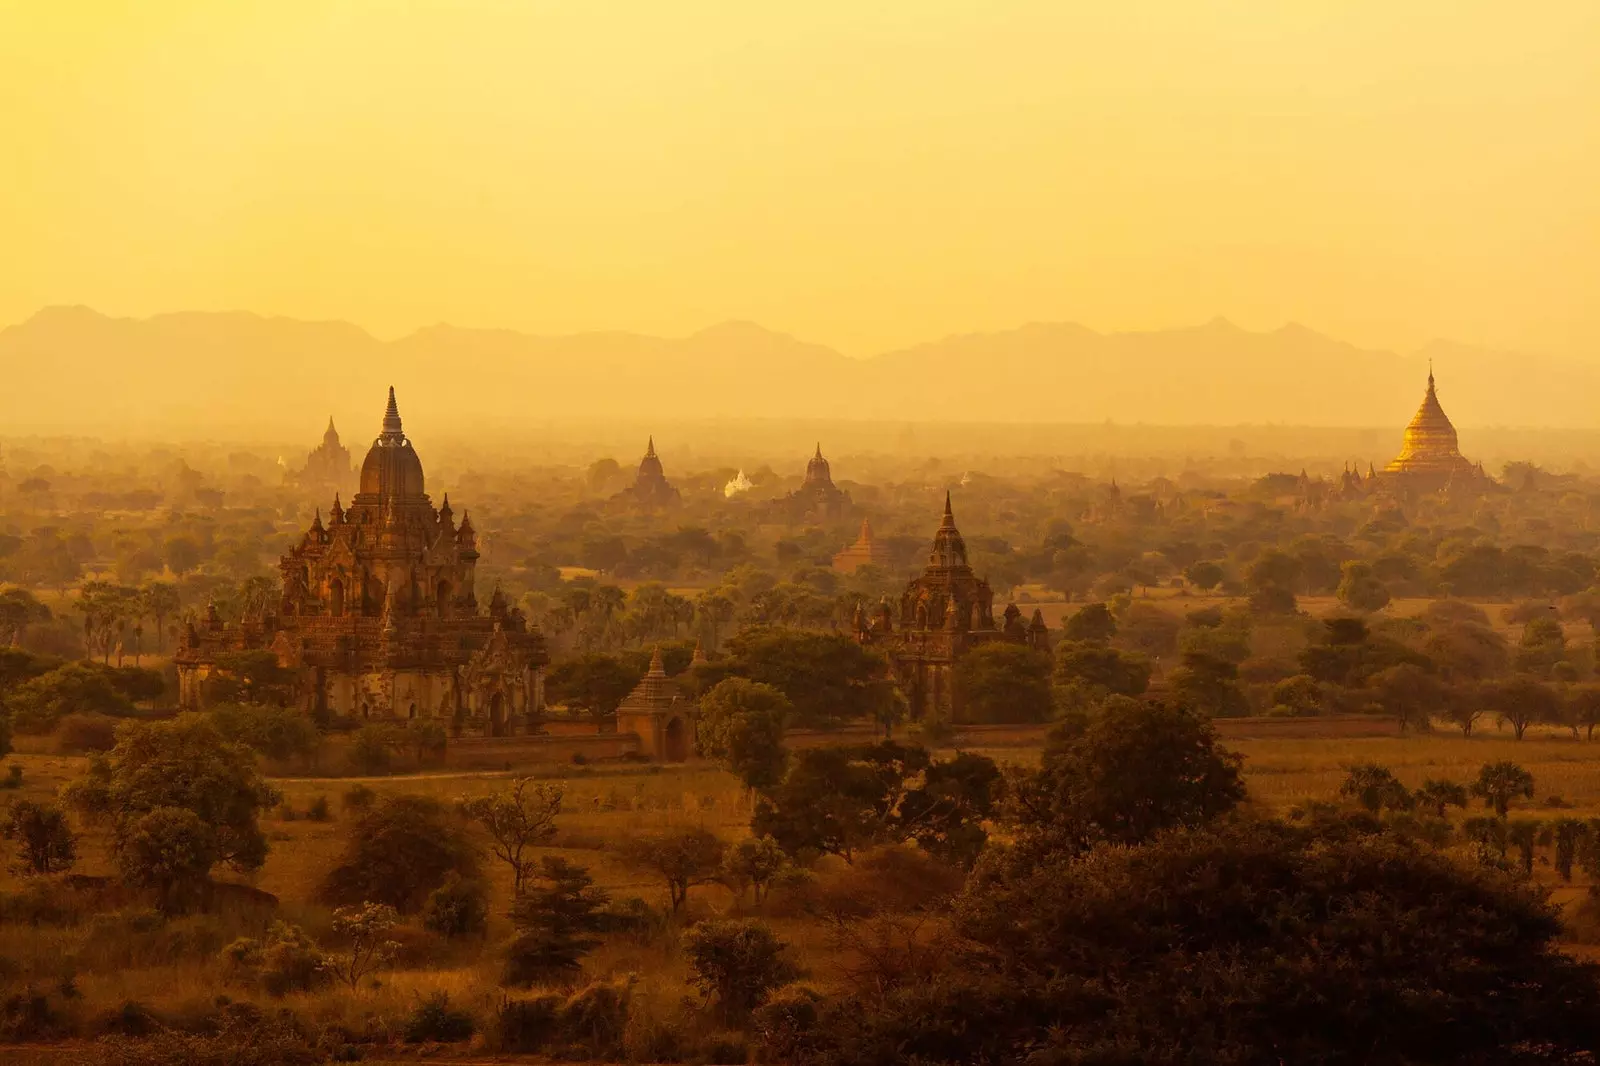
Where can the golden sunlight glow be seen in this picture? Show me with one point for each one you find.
(866, 175)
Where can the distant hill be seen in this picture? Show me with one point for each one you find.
(237, 374)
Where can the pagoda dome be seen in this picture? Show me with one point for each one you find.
(817, 469)
(391, 468)
(1430, 443)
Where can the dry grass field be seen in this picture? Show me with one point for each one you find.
(175, 969)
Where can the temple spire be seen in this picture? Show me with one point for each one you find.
(949, 515)
(391, 418)
(657, 669)
(819, 449)
(650, 449)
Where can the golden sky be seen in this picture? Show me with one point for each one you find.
(862, 174)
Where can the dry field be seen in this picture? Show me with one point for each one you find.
(176, 971)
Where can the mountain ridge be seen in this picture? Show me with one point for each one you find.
(72, 368)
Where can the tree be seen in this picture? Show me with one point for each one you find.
(753, 863)
(1499, 783)
(594, 682)
(18, 610)
(278, 733)
(1520, 702)
(556, 922)
(169, 850)
(252, 677)
(1466, 652)
(517, 819)
(1204, 575)
(1209, 685)
(182, 555)
(1000, 682)
(398, 852)
(1376, 789)
(1297, 696)
(1209, 968)
(160, 601)
(1523, 834)
(1569, 836)
(741, 726)
(158, 773)
(38, 704)
(1409, 693)
(1135, 770)
(1092, 623)
(1360, 590)
(828, 677)
(372, 748)
(1100, 669)
(842, 800)
(45, 844)
(737, 964)
(368, 931)
(1583, 709)
(1436, 795)
(457, 908)
(684, 858)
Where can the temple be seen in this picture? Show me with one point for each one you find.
(817, 499)
(1430, 457)
(650, 489)
(866, 551)
(379, 615)
(942, 614)
(328, 464)
(658, 713)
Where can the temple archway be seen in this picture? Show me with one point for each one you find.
(336, 597)
(442, 598)
(497, 715)
(675, 741)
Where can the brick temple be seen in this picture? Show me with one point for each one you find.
(380, 617)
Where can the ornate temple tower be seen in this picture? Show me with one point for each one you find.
(942, 614)
(650, 488)
(817, 499)
(379, 612)
(1430, 457)
(328, 464)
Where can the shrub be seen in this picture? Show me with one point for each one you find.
(45, 844)
(682, 858)
(284, 961)
(737, 964)
(319, 811)
(13, 778)
(434, 1020)
(358, 798)
(78, 733)
(372, 749)
(398, 852)
(457, 908)
(527, 1025)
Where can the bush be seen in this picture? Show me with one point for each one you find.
(527, 1025)
(284, 961)
(45, 844)
(457, 908)
(434, 1020)
(13, 778)
(399, 852)
(358, 798)
(319, 810)
(78, 733)
(737, 964)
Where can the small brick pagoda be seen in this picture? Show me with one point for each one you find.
(379, 614)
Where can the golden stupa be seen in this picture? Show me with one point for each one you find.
(1430, 452)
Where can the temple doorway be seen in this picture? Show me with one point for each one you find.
(497, 715)
(675, 741)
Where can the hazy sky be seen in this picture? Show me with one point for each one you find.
(863, 174)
